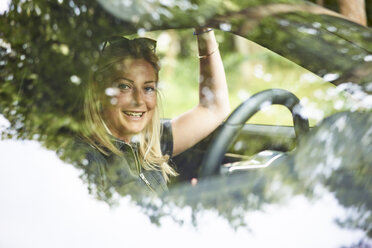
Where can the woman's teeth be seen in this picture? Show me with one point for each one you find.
(136, 114)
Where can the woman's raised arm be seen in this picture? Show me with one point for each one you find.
(213, 107)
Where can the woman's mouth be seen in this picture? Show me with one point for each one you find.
(134, 114)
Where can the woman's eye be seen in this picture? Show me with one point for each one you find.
(123, 86)
(150, 89)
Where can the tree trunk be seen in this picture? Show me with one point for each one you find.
(354, 10)
(320, 2)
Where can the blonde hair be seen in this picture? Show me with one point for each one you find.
(94, 128)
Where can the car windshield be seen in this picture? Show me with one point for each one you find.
(277, 181)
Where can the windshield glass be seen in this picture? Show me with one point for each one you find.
(308, 186)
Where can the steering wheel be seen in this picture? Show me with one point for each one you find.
(230, 129)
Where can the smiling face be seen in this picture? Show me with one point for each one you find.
(132, 107)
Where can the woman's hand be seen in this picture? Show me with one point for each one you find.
(194, 125)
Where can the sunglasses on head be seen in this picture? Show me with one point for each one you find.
(119, 41)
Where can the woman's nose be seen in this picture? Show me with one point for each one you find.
(137, 97)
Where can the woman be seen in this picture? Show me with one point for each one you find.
(129, 148)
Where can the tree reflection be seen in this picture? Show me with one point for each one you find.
(44, 66)
(322, 32)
